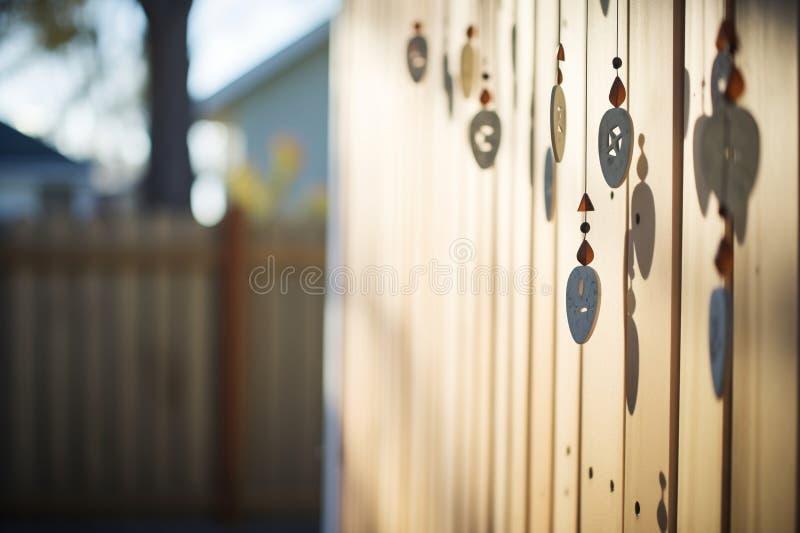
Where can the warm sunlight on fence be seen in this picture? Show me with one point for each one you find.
(476, 410)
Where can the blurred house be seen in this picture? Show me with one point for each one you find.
(277, 115)
(36, 179)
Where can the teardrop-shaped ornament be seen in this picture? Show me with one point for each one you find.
(617, 94)
(585, 253)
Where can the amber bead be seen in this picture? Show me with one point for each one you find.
(726, 37)
(586, 204)
(585, 227)
(735, 85)
(470, 31)
(585, 253)
(616, 62)
(560, 55)
(418, 26)
(560, 77)
(486, 97)
(724, 258)
(617, 94)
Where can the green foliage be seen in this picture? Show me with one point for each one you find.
(54, 23)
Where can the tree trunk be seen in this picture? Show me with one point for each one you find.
(169, 177)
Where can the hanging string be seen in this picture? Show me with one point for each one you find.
(585, 114)
(558, 31)
(617, 28)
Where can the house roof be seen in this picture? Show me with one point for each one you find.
(265, 71)
(25, 158)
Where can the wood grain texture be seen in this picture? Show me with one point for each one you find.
(603, 386)
(649, 307)
(700, 445)
(764, 439)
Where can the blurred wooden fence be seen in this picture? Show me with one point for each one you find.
(113, 352)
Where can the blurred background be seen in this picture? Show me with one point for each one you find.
(152, 154)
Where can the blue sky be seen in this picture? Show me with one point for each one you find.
(43, 94)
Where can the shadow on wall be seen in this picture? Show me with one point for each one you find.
(641, 245)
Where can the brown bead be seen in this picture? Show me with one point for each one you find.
(486, 97)
(560, 76)
(617, 94)
(586, 204)
(560, 55)
(735, 85)
(726, 37)
(724, 258)
(470, 31)
(585, 253)
(418, 26)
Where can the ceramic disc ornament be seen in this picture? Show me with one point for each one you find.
(583, 302)
(469, 61)
(558, 122)
(548, 184)
(417, 54)
(558, 111)
(614, 145)
(719, 336)
(484, 137)
(729, 156)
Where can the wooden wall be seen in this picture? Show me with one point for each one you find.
(462, 410)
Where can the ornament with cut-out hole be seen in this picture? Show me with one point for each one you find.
(417, 57)
(583, 302)
(548, 184)
(614, 145)
(558, 122)
(484, 137)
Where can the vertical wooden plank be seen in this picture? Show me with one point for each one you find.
(521, 279)
(603, 372)
(94, 284)
(499, 68)
(765, 292)
(649, 345)
(700, 456)
(127, 374)
(546, 304)
(55, 358)
(333, 317)
(569, 185)
(23, 386)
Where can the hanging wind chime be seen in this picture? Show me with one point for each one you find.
(558, 104)
(485, 130)
(616, 130)
(447, 77)
(417, 54)
(583, 284)
(730, 151)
